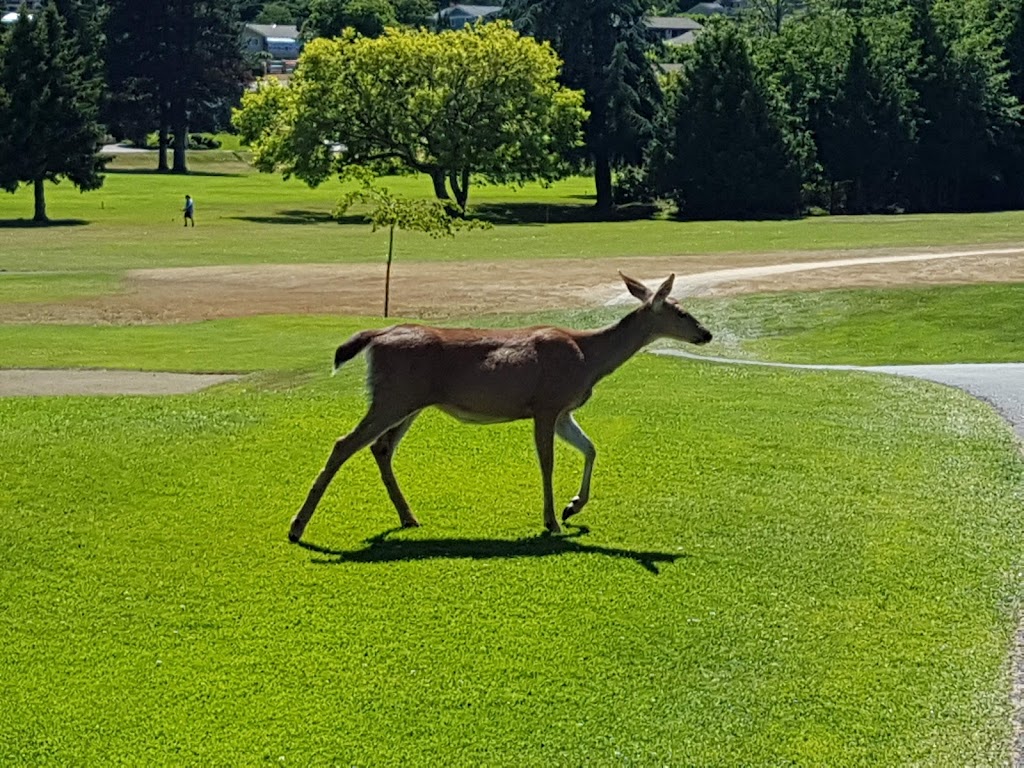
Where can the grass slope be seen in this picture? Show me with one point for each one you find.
(965, 324)
(780, 571)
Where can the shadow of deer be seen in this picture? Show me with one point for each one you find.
(381, 549)
(484, 376)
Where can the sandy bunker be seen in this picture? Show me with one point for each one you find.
(34, 382)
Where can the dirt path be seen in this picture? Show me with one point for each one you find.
(438, 289)
(27, 382)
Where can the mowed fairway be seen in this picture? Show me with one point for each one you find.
(810, 568)
(247, 218)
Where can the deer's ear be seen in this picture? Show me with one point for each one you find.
(636, 288)
(664, 290)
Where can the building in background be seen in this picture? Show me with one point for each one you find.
(272, 48)
(457, 16)
(9, 9)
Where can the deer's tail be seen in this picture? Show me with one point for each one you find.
(353, 347)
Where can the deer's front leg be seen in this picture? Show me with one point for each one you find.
(567, 429)
(544, 438)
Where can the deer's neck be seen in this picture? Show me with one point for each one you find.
(608, 348)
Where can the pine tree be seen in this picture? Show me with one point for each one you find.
(863, 141)
(604, 46)
(726, 150)
(49, 125)
(966, 113)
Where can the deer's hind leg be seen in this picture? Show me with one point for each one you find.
(375, 423)
(567, 429)
(383, 449)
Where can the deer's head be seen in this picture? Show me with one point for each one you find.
(664, 313)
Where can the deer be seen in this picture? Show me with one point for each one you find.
(485, 376)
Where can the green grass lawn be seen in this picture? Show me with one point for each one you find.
(779, 570)
(782, 567)
(962, 324)
(245, 217)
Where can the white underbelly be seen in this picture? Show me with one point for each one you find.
(471, 417)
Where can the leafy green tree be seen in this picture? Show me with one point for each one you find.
(49, 125)
(272, 11)
(805, 64)
(606, 50)
(391, 212)
(327, 18)
(726, 149)
(1008, 16)
(276, 13)
(767, 16)
(479, 102)
(1011, 18)
(414, 12)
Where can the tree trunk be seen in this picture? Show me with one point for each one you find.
(163, 141)
(440, 190)
(387, 273)
(40, 201)
(180, 144)
(603, 180)
(857, 204)
(460, 186)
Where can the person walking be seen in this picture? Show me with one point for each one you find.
(189, 210)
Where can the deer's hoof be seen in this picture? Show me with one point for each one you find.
(411, 523)
(572, 508)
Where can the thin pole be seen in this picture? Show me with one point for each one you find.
(387, 274)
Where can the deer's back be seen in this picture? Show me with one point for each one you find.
(500, 373)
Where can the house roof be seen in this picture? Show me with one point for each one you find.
(708, 9)
(680, 23)
(686, 38)
(276, 31)
(470, 10)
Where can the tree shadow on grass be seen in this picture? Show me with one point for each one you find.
(302, 217)
(380, 549)
(30, 224)
(169, 174)
(541, 213)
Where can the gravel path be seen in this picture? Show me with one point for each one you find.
(77, 381)
(708, 283)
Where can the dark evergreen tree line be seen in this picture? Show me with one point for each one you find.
(172, 66)
(880, 105)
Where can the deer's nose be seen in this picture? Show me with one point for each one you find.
(705, 338)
